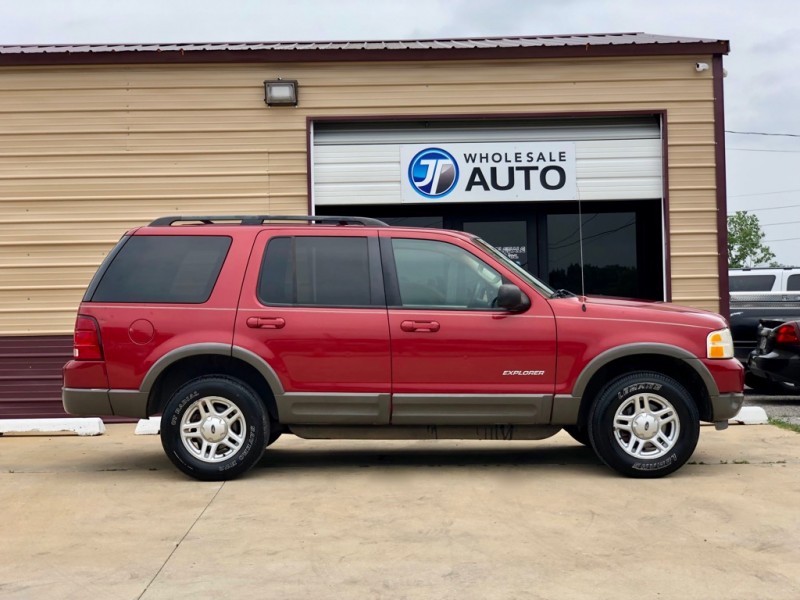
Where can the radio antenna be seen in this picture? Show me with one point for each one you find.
(580, 245)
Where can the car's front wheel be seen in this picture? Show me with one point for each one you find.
(644, 424)
(214, 428)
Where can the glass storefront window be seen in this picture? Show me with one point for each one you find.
(623, 248)
(510, 237)
(609, 253)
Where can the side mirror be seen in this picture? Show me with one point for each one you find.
(511, 298)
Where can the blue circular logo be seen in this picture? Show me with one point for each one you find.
(433, 173)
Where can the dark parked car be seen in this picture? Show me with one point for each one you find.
(776, 360)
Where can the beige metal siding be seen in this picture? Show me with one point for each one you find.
(88, 152)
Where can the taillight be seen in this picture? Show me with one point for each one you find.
(787, 334)
(87, 344)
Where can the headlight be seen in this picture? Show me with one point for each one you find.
(719, 344)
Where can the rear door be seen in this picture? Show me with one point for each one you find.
(313, 307)
(456, 358)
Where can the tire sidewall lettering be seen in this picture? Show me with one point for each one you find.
(646, 386)
(661, 463)
(176, 414)
(242, 454)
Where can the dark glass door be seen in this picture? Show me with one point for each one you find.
(510, 237)
(622, 240)
(610, 265)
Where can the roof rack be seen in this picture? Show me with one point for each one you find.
(259, 220)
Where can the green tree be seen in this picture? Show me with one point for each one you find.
(746, 247)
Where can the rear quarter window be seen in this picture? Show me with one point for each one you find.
(751, 283)
(164, 269)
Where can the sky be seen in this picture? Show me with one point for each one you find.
(762, 89)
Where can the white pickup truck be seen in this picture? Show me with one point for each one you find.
(765, 295)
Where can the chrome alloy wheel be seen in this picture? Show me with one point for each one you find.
(213, 429)
(646, 426)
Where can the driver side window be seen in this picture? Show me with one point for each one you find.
(435, 274)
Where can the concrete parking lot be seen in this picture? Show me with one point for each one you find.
(108, 517)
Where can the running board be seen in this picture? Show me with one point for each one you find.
(425, 432)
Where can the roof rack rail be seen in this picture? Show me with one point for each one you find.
(259, 220)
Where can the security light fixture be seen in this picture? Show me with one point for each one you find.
(280, 92)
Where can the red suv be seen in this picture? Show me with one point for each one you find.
(238, 329)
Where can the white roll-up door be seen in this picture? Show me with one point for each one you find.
(614, 159)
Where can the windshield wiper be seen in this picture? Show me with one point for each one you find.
(563, 294)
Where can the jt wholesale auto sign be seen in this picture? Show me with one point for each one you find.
(494, 171)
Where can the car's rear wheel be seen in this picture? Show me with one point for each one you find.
(644, 424)
(214, 428)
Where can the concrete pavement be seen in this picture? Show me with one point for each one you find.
(108, 517)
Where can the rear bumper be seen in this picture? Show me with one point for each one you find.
(779, 366)
(95, 403)
(86, 403)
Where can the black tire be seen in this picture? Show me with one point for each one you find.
(649, 447)
(231, 428)
(273, 437)
(579, 434)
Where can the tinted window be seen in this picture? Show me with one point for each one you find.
(167, 269)
(316, 271)
(793, 283)
(440, 275)
(751, 283)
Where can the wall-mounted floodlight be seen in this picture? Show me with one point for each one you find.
(280, 92)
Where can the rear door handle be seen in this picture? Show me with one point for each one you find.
(265, 322)
(420, 326)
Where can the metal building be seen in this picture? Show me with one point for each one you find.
(509, 138)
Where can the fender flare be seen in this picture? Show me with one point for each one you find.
(618, 352)
(251, 358)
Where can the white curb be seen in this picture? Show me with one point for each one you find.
(750, 415)
(151, 426)
(90, 426)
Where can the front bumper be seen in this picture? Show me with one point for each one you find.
(726, 406)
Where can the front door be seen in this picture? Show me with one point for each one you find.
(456, 358)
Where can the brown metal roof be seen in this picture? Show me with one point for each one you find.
(596, 44)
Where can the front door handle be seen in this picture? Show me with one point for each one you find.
(265, 322)
(420, 326)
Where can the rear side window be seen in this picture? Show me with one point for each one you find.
(164, 269)
(751, 283)
(316, 271)
(793, 283)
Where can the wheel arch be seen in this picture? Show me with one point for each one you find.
(186, 363)
(672, 361)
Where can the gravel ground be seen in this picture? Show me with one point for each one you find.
(786, 408)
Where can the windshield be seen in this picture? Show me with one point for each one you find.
(542, 288)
